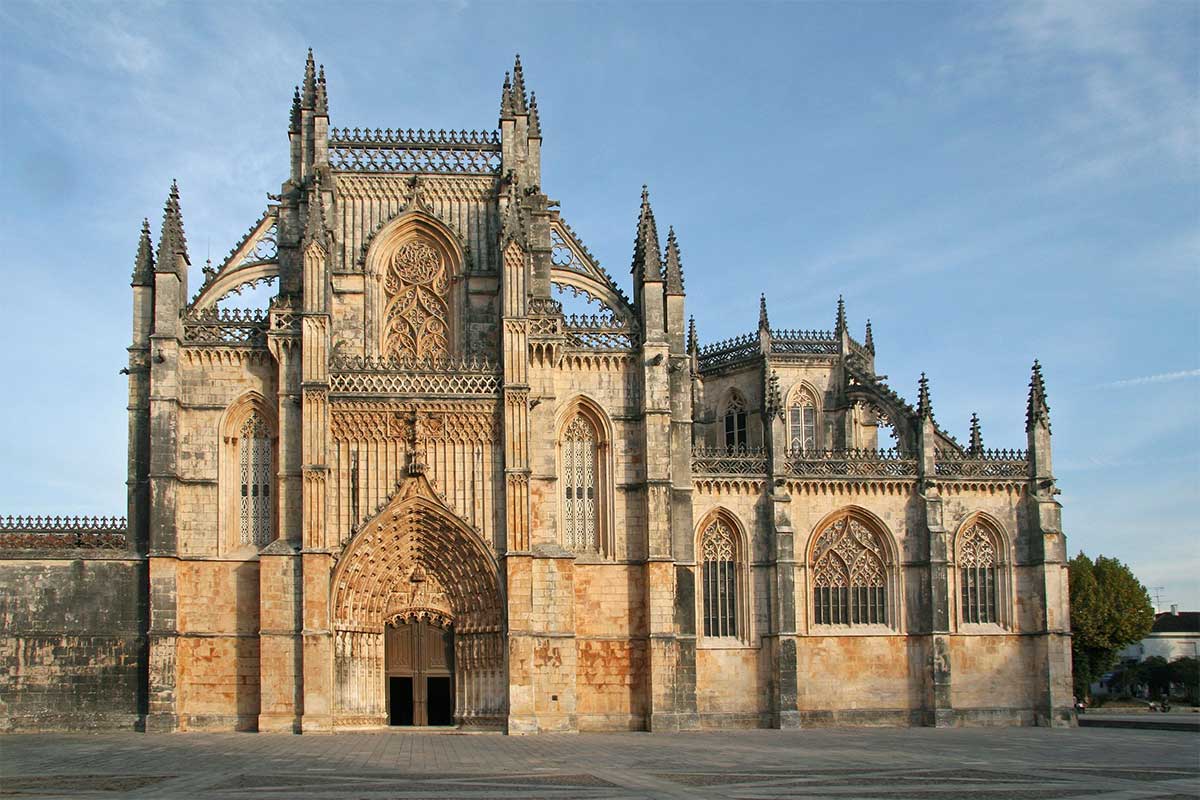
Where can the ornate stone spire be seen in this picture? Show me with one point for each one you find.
(976, 443)
(321, 105)
(143, 263)
(764, 323)
(519, 101)
(171, 242)
(310, 82)
(535, 122)
(294, 119)
(646, 263)
(869, 341)
(1037, 410)
(840, 323)
(693, 344)
(672, 265)
(506, 105)
(924, 404)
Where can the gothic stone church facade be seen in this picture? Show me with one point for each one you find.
(418, 489)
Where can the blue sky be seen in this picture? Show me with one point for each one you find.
(988, 182)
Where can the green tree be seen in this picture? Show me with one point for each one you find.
(1185, 672)
(1110, 610)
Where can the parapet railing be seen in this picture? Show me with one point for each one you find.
(599, 332)
(854, 463)
(729, 461)
(424, 376)
(804, 342)
(452, 152)
(226, 326)
(62, 533)
(729, 351)
(982, 464)
(747, 347)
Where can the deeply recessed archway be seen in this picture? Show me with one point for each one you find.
(416, 562)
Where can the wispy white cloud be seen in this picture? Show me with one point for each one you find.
(1162, 377)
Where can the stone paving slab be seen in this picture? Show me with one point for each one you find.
(878, 764)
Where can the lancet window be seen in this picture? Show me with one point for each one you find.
(851, 575)
(980, 573)
(735, 422)
(581, 507)
(256, 477)
(417, 318)
(802, 422)
(721, 580)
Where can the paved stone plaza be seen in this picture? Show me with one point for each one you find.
(996, 764)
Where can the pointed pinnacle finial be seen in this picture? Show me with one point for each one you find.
(519, 101)
(764, 324)
(321, 105)
(1037, 409)
(673, 264)
(646, 263)
(171, 242)
(535, 122)
(840, 324)
(506, 105)
(976, 445)
(294, 119)
(143, 263)
(869, 341)
(693, 344)
(310, 81)
(924, 404)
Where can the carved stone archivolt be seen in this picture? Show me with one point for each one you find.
(417, 531)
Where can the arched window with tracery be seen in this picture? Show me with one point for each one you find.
(802, 421)
(247, 475)
(255, 451)
(735, 422)
(721, 590)
(851, 575)
(981, 574)
(417, 316)
(581, 530)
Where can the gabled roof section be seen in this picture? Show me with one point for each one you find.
(254, 259)
(573, 265)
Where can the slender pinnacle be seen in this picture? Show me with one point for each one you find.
(535, 122)
(869, 341)
(976, 445)
(924, 404)
(143, 263)
(693, 344)
(294, 119)
(171, 242)
(1037, 409)
(321, 106)
(840, 323)
(310, 81)
(764, 324)
(506, 104)
(673, 264)
(646, 262)
(520, 103)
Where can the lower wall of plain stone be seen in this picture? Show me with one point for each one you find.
(72, 643)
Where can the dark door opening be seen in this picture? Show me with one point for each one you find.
(400, 700)
(440, 704)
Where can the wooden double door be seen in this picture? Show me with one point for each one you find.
(419, 665)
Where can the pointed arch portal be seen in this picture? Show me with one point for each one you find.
(418, 619)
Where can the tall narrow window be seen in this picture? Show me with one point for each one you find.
(580, 518)
(850, 575)
(979, 574)
(719, 576)
(802, 422)
(735, 423)
(254, 454)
